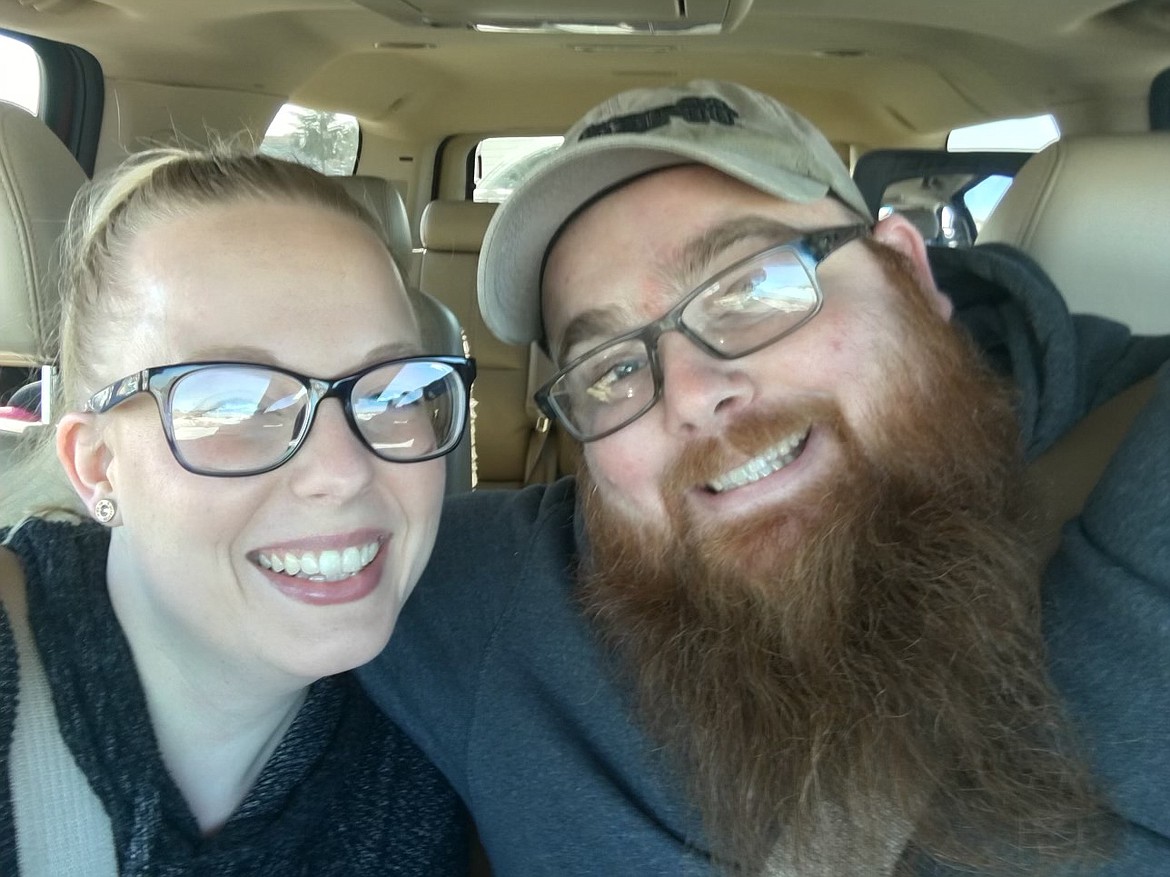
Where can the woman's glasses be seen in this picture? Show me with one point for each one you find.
(233, 418)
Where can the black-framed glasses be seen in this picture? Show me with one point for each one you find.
(754, 303)
(238, 418)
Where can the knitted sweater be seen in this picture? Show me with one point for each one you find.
(345, 792)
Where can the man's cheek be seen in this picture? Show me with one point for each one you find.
(626, 478)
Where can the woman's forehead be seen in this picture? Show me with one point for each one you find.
(305, 281)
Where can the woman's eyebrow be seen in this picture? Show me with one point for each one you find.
(234, 353)
(263, 356)
(394, 350)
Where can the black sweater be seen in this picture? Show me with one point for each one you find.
(344, 793)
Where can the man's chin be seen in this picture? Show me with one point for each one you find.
(745, 549)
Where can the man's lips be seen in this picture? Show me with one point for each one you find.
(775, 458)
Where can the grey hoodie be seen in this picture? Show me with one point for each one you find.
(495, 673)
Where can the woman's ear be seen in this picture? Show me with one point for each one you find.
(899, 233)
(84, 456)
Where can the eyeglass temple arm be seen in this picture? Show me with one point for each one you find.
(822, 243)
(109, 396)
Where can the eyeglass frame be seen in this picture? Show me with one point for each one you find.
(158, 381)
(810, 249)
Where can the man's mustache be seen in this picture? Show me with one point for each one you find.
(749, 435)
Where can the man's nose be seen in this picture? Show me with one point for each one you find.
(699, 391)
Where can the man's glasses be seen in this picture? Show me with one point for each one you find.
(236, 418)
(752, 304)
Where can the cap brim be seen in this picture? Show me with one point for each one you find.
(515, 242)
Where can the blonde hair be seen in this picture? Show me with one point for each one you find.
(107, 215)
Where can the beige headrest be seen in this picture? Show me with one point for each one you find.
(457, 226)
(38, 179)
(1093, 212)
(382, 198)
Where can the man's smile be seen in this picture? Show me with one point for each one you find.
(772, 460)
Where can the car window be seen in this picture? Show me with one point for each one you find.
(326, 141)
(949, 204)
(20, 74)
(20, 84)
(1029, 134)
(981, 198)
(501, 163)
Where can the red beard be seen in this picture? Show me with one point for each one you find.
(856, 676)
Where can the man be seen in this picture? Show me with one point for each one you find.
(785, 620)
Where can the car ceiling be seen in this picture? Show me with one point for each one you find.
(889, 73)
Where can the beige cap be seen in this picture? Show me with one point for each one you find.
(729, 127)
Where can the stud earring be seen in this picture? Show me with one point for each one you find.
(104, 510)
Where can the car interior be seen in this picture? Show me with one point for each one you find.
(430, 86)
(433, 87)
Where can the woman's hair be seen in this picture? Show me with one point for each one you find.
(107, 215)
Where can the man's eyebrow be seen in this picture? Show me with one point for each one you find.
(593, 325)
(696, 254)
(692, 259)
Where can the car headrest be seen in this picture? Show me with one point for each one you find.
(456, 226)
(1093, 212)
(38, 180)
(382, 198)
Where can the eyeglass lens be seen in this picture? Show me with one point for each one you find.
(741, 311)
(238, 418)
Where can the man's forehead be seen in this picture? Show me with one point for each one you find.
(664, 231)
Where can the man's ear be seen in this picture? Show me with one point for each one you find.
(85, 457)
(899, 233)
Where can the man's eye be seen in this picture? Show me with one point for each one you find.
(741, 294)
(761, 293)
(613, 383)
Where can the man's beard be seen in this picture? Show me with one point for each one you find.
(859, 674)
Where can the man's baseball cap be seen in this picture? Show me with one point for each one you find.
(729, 127)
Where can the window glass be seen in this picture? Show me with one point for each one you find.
(20, 74)
(326, 141)
(1006, 135)
(502, 162)
(19, 399)
(983, 196)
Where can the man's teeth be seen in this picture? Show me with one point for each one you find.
(321, 566)
(772, 460)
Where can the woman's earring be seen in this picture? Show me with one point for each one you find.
(104, 510)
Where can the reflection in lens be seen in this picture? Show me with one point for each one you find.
(754, 304)
(235, 418)
(607, 389)
(408, 410)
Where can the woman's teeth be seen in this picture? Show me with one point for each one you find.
(331, 565)
(772, 460)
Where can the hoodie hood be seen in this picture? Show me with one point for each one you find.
(1063, 365)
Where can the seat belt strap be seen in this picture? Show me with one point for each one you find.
(540, 462)
(1064, 475)
(536, 460)
(61, 827)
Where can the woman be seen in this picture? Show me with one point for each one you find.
(258, 525)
